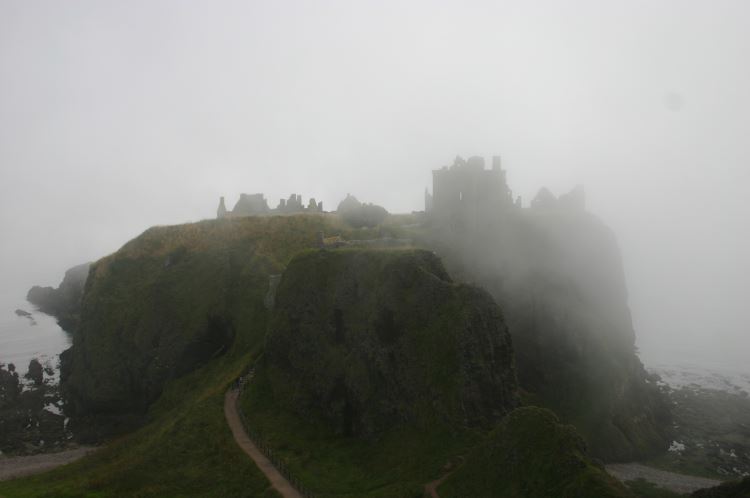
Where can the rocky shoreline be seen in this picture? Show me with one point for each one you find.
(31, 417)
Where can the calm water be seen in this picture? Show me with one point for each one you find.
(21, 339)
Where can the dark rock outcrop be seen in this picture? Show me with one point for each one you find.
(35, 372)
(64, 302)
(29, 419)
(373, 338)
(9, 386)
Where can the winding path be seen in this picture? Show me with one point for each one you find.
(21, 466)
(430, 488)
(278, 481)
(679, 483)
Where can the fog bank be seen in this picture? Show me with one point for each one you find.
(118, 116)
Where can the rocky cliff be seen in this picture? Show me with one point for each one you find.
(63, 302)
(168, 302)
(372, 338)
(556, 272)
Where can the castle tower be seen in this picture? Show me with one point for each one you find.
(466, 191)
(222, 211)
(427, 201)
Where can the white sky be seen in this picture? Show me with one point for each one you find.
(115, 116)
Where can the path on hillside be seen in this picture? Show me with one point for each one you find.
(21, 466)
(278, 481)
(679, 483)
(431, 487)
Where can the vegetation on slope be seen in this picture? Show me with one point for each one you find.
(185, 450)
(395, 464)
(531, 455)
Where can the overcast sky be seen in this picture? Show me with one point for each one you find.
(116, 116)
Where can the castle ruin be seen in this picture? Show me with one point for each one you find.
(466, 190)
(256, 205)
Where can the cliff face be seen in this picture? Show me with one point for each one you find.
(556, 273)
(169, 301)
(371, 338)
(64, 302)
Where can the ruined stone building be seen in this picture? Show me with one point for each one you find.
(256, 205)
(466, 190)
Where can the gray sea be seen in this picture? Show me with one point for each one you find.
(24, 338)
(717, 370)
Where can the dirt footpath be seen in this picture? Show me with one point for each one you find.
(278, 481)
(12, 467)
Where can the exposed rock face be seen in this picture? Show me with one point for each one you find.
(372, 338)
(64, 303)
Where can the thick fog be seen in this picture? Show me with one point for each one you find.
(115, 116)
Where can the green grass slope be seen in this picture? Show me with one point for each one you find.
(531, 455)
(396, 464)
(186, 450)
